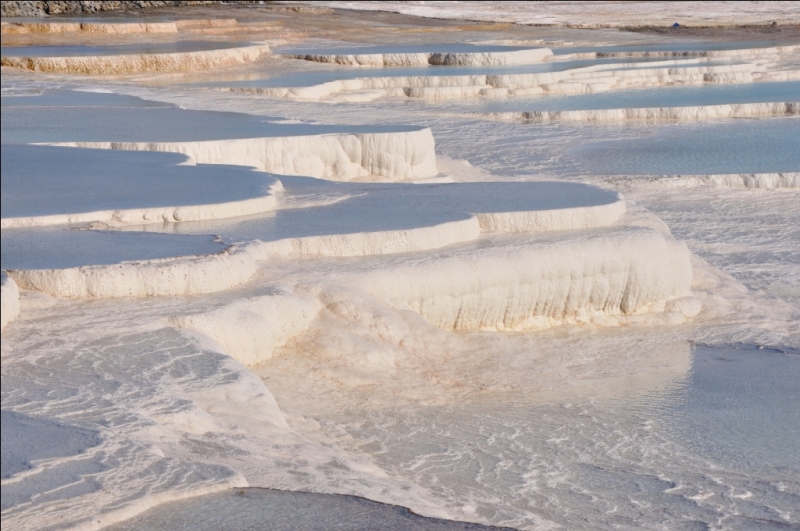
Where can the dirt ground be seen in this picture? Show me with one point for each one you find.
(728, 33)
(288, 24)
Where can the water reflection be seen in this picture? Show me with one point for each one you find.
(703, 436)
(729, 146)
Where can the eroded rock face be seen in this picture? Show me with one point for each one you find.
(44, 8)
(22, 9)
(9, 298)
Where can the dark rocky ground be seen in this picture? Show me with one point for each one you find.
(44, 8)
(767, 32)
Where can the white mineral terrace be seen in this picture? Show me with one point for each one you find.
(118, 188)
(488, 55)
(329, 268)
(743, 53)
(739, 180)
(464, 56)
(363, 222)
(9, 300)
(380, 153)
(587, 79)
(128, 63)
(375, 223)
(369, 156)
(513, 284)
(676, 103)
(704, 112)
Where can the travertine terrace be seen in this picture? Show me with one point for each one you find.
(526, 266)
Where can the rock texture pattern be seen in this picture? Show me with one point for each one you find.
(41, 9)
(9, 295)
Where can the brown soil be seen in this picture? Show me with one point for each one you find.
(727, 32)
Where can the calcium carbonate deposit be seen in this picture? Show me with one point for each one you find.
(402, 266)
(110, 61)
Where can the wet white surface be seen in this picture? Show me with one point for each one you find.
(711, 441)
(579, 423)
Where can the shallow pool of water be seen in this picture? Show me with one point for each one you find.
(60, 116)
(64, 246)
(73, 98)
(729, 146)
(47, 180)
(714, 445)
(333, 73)
(384, 207)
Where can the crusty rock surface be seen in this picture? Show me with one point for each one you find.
(44, 8)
